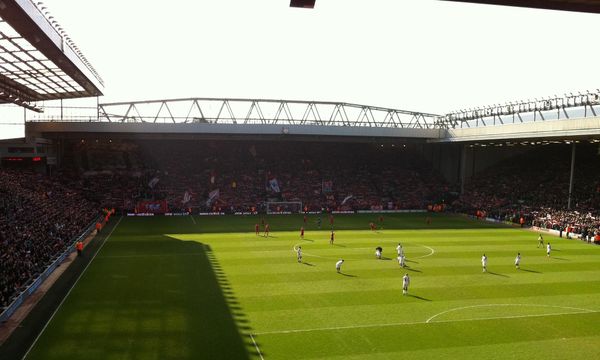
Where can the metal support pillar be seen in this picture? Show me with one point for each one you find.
(463, 168)
(572, 174)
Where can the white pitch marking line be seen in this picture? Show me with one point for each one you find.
(69, 292)
(493, 305)
(424, 256)
(147, 255)
(193, 220)
(337, 328)
(418, 323)
(256, 346)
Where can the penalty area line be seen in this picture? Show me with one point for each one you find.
(334, 328)
(71, 289)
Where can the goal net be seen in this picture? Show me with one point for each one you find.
(283, 207)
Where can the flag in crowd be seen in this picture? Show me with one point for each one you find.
(347, 198)
(186, 197)
(212, 196)
(152, 183)
(274, 185)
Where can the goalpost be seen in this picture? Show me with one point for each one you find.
(283, 207)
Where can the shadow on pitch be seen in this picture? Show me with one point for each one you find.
(413, 270)
(558, 258)
(418, 297)
(529, 270)
(497, 274)
(308, 264)
(222, 312)
(347, 275)
(310, 240)
(197, 312)
(339, 245)
(218, 326)
(412, 261)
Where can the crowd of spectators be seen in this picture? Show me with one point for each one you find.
(39, 218)
(534, 186)
(587, 223)
(247, 175)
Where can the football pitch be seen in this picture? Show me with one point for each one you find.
(209, 288)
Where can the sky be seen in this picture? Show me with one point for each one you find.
(421, 55)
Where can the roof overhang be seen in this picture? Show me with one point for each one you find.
(183, 131)
(38, 61)
(589, 6)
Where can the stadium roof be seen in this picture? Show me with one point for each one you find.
(591, 6)
(38, 60)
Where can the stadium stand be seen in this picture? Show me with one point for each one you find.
(535, 186)
(38, 219)
(320, 175)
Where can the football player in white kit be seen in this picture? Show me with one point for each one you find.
(338, 265)
(399, 249)
(484, 262)
(401, 260)
(405, 283)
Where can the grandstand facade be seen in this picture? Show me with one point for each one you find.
(457, 145)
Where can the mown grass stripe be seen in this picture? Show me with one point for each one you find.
(152, 285)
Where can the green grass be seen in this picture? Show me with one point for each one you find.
(172, 288)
